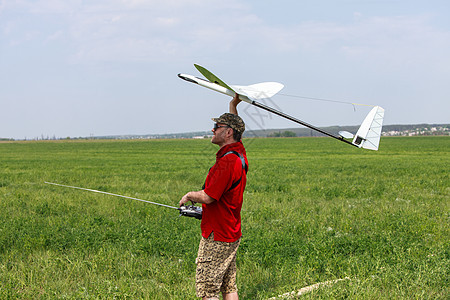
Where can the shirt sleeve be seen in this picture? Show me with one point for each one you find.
(220, 178)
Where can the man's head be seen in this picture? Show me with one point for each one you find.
(229, 128)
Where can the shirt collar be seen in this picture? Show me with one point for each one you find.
(237, 146)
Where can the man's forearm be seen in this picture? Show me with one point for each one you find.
(199, 197)
(234, 103)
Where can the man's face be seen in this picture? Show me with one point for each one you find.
(219, 131)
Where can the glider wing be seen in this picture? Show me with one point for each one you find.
(211, 77)
(258, 91)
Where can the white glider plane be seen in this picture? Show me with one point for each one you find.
(367, 136)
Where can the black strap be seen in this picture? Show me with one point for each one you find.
(244, 167)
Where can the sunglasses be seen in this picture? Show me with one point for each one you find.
(216, 126)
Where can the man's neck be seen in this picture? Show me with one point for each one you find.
(227, 143)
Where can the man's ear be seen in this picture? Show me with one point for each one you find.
(230, 132)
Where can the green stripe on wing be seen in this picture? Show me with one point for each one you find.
(211, 77)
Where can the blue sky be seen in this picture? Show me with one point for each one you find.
(79, 68)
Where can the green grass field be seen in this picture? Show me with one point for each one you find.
(314, 210)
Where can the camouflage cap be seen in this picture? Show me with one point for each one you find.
(232, 120)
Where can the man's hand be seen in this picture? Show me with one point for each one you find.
(234, 103)
(199, 197)
(184, 200)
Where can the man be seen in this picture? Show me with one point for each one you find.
(221, 200)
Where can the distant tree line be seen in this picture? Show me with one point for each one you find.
(286, 133)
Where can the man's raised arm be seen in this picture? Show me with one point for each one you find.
(233, 104)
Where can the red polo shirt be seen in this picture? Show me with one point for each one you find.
(223, 216)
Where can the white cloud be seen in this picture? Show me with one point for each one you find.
(55, 36)
(219, 26)
(161, 30)
(167, 21)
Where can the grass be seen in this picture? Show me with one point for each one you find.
(314, 210)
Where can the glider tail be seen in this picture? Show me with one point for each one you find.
(368, 135)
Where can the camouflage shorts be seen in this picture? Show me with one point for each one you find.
(216, 267)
